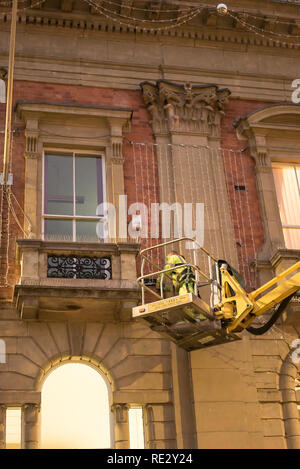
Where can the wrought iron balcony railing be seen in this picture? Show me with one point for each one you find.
(79, 267)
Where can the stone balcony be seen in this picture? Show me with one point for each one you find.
(63, 280)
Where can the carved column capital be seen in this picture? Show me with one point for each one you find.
(121, 412)
(185, 108)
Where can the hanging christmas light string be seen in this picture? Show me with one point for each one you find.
(33, 5)
(257, 29)
(132, 7)
(288, 22)
(223, 10)
(9, 4)
(114, 16)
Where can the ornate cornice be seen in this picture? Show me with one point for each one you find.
(185, 108)
(206, 26)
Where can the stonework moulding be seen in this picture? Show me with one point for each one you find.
(185, 108)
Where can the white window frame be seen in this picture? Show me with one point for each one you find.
(73, 217)
(293, 165)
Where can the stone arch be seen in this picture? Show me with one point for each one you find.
(135, 360)
(100, 415)
(287, 377)
(56, 362)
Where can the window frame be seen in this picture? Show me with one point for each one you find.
(294, 165)
(73, 217)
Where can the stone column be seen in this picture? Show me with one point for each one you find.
(30, 426)
(121, 425)
(2, 425)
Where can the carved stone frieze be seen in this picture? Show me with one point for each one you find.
(185, 108)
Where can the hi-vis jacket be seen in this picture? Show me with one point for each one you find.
(174, 260)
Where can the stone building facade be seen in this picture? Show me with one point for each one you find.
(87, 83)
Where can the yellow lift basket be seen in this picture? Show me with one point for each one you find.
(192, 323)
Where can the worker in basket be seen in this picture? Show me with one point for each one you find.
(182, 280)
(182, 277)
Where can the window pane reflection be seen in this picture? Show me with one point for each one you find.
(58, 184)
(87, 230)
(59, 229)
(88, 185)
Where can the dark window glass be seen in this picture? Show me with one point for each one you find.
(88, 185)
(59, 229)
(59, 185)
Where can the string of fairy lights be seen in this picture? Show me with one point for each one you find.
(183, 14)
(20, 10)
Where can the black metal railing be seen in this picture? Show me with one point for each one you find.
(79, 267)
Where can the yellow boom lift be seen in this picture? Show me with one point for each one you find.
(192, 323)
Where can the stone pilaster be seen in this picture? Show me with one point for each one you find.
(2, 425)
(121, 426)
(30, 426)
(160, 430)
(186, 121)
(33, 154)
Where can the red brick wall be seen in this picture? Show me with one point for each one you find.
(141, 132)
(140, 167)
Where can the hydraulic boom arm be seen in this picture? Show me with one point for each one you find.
(240, 308)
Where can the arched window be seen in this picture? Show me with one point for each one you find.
(75, 408)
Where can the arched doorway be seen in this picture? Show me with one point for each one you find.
(75, 408)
